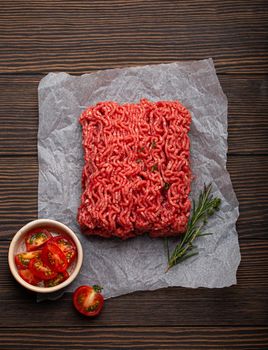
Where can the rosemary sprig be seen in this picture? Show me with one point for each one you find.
(205, 208)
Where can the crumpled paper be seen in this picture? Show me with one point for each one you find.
(140, 263)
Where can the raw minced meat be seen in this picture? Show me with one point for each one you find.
(136, 178)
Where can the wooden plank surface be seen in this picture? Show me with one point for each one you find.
(165, 338)
(84, 36)
(243, 304)
(248, 126)
(19, 185)
(42, 36)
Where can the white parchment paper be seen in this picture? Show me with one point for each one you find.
(139, 263)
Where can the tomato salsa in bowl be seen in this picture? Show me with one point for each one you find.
(45, 256)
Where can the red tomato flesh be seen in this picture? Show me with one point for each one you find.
(88, 301)
(22, 259)
(61, 277)
(46, 259)
(36, 238)
(29, 277)
(41, 270)
(53, 257)
(67, 247)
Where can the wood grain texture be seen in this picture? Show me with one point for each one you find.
(18, 193)
(167, 338)
(84, 36)
(248, 109)
(243, 304)
(75, 36)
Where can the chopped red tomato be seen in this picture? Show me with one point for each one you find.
(46, 259)
(36, 238)
(29, 277)
(88, 300)
(41, 270)
(62, 276)
(22, 259)
(53, 257)
(67, 246)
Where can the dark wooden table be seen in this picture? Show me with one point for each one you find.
(37, 37)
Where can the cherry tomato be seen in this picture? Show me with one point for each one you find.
(36, 238)
(29, 277)
(53, 257)
(22, 259)
(67, 246)
(88, 300)
(41, 270)
(62, 276)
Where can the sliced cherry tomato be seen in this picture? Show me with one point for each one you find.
(53, 257)
(29, 277)
(88, 300)
(22, 259)
(67, 246)
(36, 238)
(41, 270)
(62, 276)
